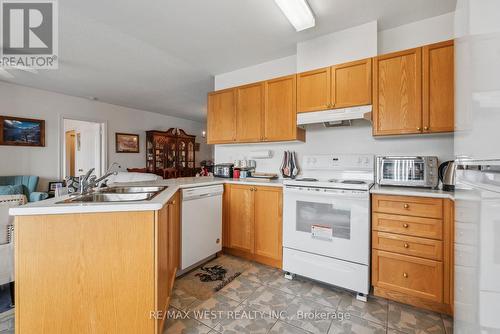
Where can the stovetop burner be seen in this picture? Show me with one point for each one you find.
(347, 181)
(307, 179)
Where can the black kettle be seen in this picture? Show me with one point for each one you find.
(446, 174)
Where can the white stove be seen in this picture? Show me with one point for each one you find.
(326, 221)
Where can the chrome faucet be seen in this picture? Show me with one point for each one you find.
(87, 182)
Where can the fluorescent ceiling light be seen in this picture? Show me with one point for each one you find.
(298, 13)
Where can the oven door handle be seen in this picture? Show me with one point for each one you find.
(358, 194)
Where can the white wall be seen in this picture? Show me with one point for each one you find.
(268, 70)
(431, 30)
(44, 161)
(338, 47)
(361, 43)
(354, 139)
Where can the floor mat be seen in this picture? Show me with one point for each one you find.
(206, 280)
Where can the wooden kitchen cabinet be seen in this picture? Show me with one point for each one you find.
(397, 93)
(413, 91)
(438, 87)
(351, 84)
(114, 269)
(253, 223)
(221, 117)
(268, 214)
(313, 90)
(241, 218)
(280, 110)
(412, 250)
(249, 112)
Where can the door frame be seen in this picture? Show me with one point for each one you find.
(62, 137)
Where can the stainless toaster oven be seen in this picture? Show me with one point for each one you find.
(418, 171)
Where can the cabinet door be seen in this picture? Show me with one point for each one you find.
(313, 90)
(241, 217)
(397, 93)
(249, 112)
(221, 117)
(352, 84)
(268, 225)
(438, 87)
(163, 264)
(174, 236)
(280, 111)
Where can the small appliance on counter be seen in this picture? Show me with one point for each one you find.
(223, 170)
(407, 171)
(446, 173)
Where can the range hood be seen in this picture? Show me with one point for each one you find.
(335, 117)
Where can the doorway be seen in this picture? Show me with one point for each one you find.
(83, 147)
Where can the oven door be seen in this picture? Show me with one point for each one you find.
(328, 222)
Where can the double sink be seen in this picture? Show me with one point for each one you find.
(117, 194)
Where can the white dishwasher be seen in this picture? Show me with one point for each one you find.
(201, 228)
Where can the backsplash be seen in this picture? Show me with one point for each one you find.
(354, 139)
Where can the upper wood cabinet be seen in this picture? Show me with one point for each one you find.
(280, 109)
(221, 117)
(313, 90)
(413, 91)
(438, 87)
(263, 111)
(351, 84)
(340, 86)
(397, 93)
(249, 112)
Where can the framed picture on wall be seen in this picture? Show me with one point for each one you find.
(17, 131)
(126, 143)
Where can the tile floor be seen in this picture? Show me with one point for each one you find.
(261, 300)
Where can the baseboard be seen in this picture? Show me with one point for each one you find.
(414, 301)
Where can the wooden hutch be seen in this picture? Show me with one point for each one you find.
(173, 148)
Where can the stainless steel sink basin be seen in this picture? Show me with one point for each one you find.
(133, 189)
(111, 197)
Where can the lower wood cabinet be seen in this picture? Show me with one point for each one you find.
(253, 223)
(412, 250)
(109, 272)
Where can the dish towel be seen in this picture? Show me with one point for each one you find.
(289, 168)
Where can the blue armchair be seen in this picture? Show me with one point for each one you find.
(29, 184)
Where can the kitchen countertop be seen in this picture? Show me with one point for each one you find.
(50, 206)
(408, 191)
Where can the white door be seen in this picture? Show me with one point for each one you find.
(334, 223)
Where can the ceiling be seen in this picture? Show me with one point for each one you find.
(161, 55)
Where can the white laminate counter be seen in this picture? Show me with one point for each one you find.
(51, 206)
(408, 191)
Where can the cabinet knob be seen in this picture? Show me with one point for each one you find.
(405, 275)
(426, 128)
(405, 225)
(419, 128)
(406, 245)
(406, 206)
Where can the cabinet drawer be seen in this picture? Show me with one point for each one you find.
(413, 226)
(407, 274)
(408, 206)
(427, 248)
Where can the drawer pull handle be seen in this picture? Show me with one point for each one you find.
(406, 225)
(405, 275)
(406, 245)
(406, 206)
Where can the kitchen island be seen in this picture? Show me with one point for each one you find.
(100, 267)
